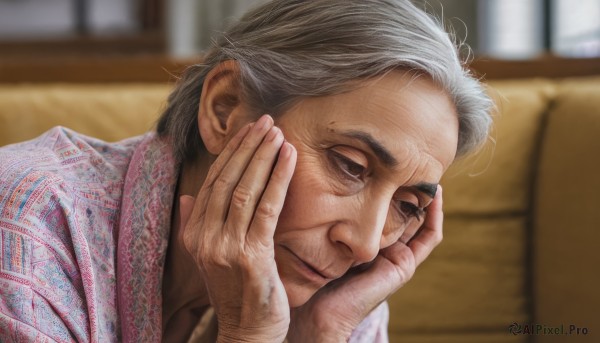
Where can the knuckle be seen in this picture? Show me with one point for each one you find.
(222, 183)
(212, 259)
(263, 157)
(212, 175)
(266, 211)
(247, 145)
(246, 262)
(241, 197)
(216, 262)
(278, 175)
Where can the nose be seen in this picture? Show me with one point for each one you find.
(360, 233)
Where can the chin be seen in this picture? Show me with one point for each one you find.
(297, 294)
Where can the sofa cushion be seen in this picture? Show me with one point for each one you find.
(109, 112)
(473, 285)
(567, 212)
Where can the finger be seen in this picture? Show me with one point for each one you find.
(430, 234)
(268, 209)
(402, 259)
(216, 169)
(231, 173)
(411, 230)
(249, 190)
(370, 286)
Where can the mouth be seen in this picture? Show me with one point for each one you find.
(310, 269)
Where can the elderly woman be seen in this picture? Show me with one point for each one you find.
(291, 186)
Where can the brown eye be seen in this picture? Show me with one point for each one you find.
(348, 167)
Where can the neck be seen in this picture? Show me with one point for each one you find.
(184, 293)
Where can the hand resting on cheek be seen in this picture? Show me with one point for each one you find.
(229, 233)
(338, 308)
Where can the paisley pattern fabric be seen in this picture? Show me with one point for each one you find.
(84, 227)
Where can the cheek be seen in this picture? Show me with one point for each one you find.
(306, 194)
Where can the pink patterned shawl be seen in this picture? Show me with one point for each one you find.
(84, 227)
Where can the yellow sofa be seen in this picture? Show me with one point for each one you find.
(522, 232)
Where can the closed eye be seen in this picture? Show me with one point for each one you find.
(409, 210)
(348, 167)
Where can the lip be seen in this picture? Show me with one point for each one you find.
(308, 269)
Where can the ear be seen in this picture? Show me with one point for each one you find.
(221, 112)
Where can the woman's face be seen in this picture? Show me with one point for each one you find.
(368, 162)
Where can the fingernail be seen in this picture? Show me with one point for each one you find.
(273, 133)
(286, 150)
(263, 122)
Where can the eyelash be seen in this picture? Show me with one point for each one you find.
(344, 164)
(413, 211)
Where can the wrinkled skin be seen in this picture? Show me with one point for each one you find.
(334, 230)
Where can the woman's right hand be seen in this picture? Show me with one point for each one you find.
(230, 232)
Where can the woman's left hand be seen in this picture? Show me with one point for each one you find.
(333, 313)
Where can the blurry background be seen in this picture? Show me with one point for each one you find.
(525, 29)
(140, 40)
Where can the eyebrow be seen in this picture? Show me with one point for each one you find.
(378, 149)
(388, 159)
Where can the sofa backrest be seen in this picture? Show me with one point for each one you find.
(110, 112)
(566, 221)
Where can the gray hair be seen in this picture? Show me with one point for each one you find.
(291, 49)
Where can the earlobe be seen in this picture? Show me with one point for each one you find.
(220, 111)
